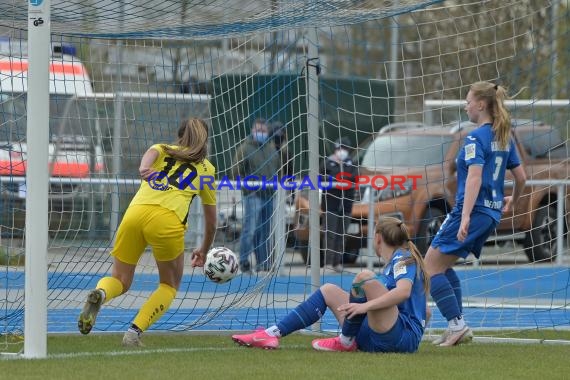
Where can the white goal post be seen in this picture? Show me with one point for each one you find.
(35, 325)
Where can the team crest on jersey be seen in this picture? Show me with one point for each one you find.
(469, 151)
(400, 269)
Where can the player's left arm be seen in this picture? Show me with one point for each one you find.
(210, 220)
(208, 197)
(394, 297)
(517, 169)
(510, 201)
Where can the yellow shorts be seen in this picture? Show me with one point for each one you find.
(153, 225)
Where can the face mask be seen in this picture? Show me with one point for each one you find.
(342, 154)
(260, 137)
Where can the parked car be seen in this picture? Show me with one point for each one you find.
(430, 153)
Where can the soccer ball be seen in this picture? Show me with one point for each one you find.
(221, 265)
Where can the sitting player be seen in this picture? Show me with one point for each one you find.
(380, 314)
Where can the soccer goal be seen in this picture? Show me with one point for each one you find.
(115, 77)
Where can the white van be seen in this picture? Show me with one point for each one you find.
(67, 75)
(75, 138)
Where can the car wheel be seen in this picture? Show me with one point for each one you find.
(432, 220)
(540, 242)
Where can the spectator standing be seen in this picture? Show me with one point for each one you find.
(336, 203)
(281, 145)
(256, 156)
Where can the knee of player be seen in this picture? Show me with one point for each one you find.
(329, 289)
(359, 281)
(327, 286)
(365, 275)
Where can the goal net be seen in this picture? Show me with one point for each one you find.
(123, 76)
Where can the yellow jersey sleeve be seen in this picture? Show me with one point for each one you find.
(208, 188)
(174, 184)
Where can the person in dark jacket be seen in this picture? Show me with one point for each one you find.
(256, 156)
(280, 141)
(336, 203)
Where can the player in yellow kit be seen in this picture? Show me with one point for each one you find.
(172, 175)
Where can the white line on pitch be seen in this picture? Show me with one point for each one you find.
(128, 352)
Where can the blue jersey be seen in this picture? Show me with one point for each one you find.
(415, 306)
(482, 149)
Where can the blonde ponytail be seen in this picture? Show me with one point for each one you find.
(192, 142)
(494, 97)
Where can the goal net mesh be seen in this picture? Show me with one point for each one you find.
(124, 75)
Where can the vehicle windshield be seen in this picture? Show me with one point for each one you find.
(540, 143)
(406, 151)
(69, 116)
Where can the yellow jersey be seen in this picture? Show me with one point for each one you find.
(174, 184)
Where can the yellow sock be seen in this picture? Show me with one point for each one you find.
(111, 286)
(158, 302)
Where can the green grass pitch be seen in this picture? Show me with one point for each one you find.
(191, 356)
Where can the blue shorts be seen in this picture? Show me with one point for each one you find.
(480, 227)
(401, 337)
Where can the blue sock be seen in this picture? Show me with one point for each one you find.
(351, 326)
(444, 297)
(304, 315)
(456, 286)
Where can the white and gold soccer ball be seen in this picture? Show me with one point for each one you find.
(221, 265)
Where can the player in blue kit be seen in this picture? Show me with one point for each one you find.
(479, 203)
(385, 313)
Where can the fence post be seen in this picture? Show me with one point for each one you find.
(279, 228)
(560, 223)
(116, 163)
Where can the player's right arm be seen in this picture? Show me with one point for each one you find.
(145, 168)
(475, 160)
